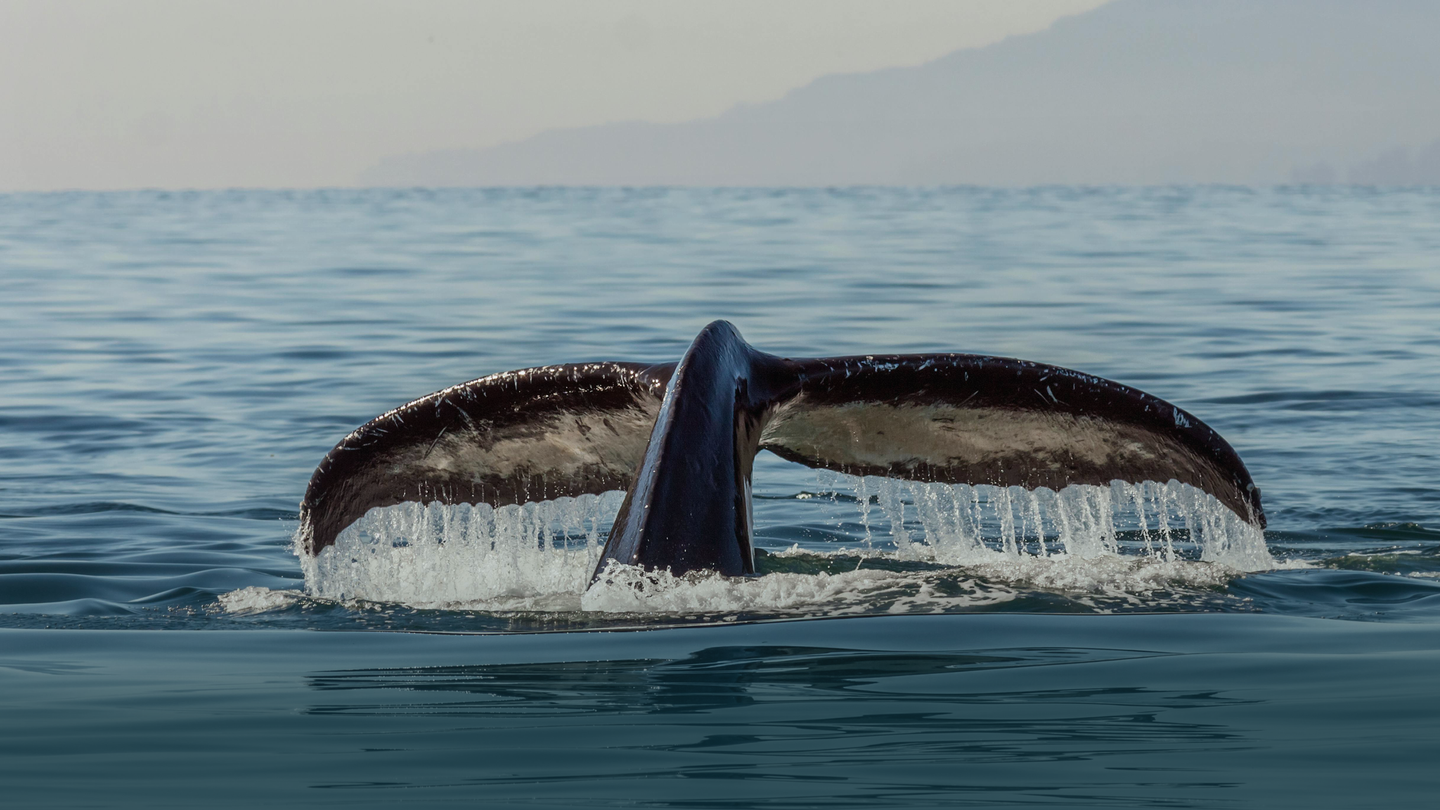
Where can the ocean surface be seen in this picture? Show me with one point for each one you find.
(176, 364)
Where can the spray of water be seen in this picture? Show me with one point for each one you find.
(965, 525)
(919, 548)
(528, 556)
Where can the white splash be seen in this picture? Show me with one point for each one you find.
(978, 546)
(629, 589)
(256, 599)
(534, 556)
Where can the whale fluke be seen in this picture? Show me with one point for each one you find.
(681, 439)
(521, 436)
(971, 419)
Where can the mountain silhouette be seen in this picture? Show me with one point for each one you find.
(1135, 92)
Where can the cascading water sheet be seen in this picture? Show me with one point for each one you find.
(892, 547)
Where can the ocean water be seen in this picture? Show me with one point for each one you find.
(176, 364)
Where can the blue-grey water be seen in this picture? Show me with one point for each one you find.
(175, 364)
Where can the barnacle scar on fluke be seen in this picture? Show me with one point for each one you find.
(680, 439)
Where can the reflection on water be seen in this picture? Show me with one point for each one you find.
(1038, 711)
(792, 726)
(727, 674)
(708, 678)
(815, 699)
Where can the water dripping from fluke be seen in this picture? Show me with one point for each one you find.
(931, 548)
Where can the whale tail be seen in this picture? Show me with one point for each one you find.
(681, 440)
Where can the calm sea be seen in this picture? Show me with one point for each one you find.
(175, 364)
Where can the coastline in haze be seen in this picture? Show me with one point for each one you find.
(1136, 92)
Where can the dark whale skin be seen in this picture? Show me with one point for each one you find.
(689, 506)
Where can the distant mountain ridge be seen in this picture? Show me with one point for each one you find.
(1252, 92)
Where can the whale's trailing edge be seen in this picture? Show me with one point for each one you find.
(681, 439)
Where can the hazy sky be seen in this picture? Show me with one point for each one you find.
(199, 94)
